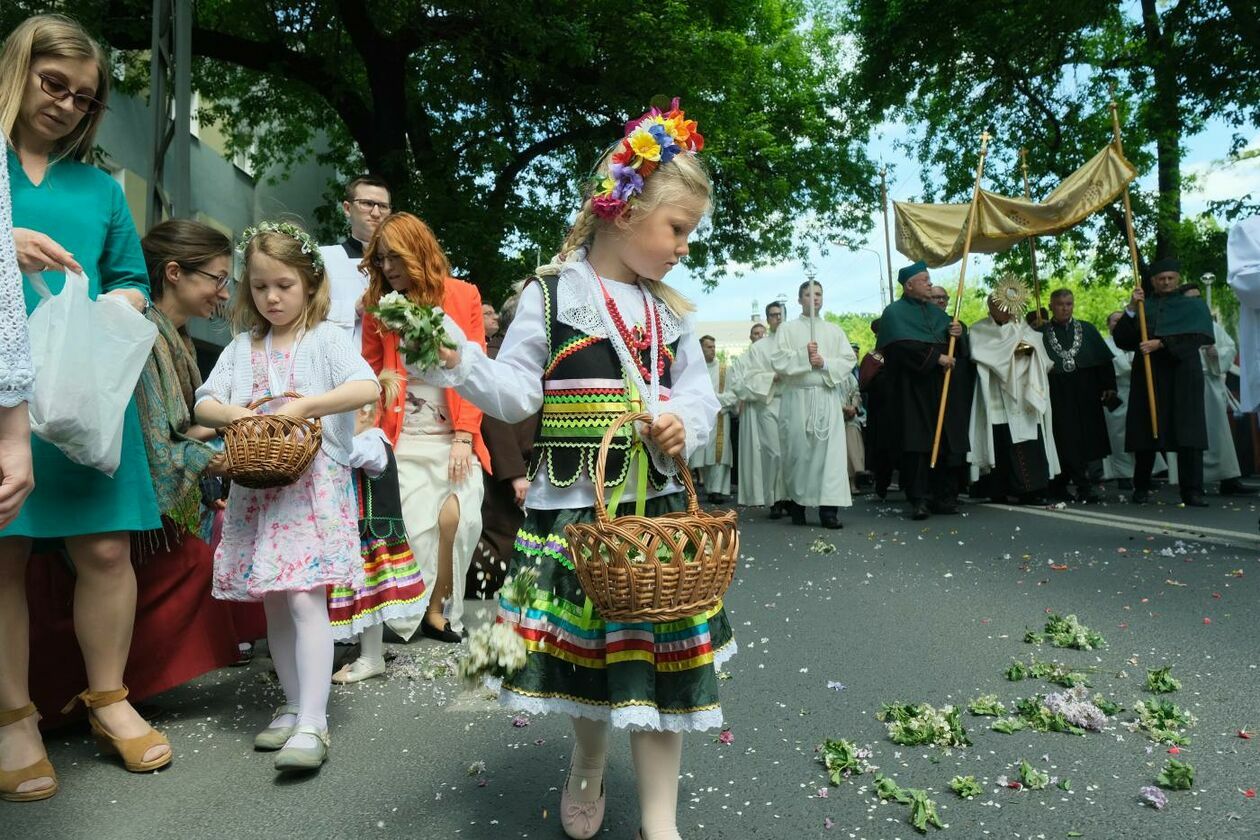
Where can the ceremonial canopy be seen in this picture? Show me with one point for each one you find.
(936, 233)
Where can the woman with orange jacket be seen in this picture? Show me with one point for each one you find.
(436, 435)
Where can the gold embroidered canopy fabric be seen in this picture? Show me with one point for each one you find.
(935, 233)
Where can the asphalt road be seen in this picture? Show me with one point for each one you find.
(920, 612)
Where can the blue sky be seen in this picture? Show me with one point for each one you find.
(853, 278)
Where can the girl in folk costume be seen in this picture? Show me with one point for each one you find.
(435, 434)
(598, 333)
(393, 587)
(286, 545)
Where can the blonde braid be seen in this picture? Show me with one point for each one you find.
(580, 235)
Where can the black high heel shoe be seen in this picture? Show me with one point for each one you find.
(446, 634)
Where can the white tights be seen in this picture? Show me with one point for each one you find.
(657, 763)
(372, 644)
(301, 642)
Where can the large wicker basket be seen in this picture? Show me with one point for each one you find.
(269, 450)
(664, 568)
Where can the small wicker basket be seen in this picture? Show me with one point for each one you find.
(664, 568)
(269, 450)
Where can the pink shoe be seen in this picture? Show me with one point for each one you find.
(581, 820)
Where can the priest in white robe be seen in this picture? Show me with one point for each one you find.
(812, 357)
(752, 379)
(1220, 459)
(713, 462)
(1011, 418)
(1244, 278)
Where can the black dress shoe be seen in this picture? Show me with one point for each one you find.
(797, 512)
(943, 508)
(446, 634)
(1235, 487)
(1194, 500)
(778, 510)
(920, 512)
(831, 521)
(1141, 497)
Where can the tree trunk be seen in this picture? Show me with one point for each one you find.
(1165, 124)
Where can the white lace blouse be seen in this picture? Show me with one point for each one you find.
(510, 386)
(17, 374)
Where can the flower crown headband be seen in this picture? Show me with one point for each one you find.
(653, 139)
(288, 229)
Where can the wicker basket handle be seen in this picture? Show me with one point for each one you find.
(684, 472)
(314, 421)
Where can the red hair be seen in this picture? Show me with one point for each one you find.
(414, 243)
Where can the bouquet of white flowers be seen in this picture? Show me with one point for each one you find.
(497, 650)
(419, 328)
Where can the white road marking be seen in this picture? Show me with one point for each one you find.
(1217, 536)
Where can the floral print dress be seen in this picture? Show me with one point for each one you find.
(281, 539)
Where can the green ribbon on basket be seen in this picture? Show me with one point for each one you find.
(638, 462)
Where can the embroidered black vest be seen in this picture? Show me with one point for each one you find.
(584, 391)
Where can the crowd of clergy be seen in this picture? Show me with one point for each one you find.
(1041, 407)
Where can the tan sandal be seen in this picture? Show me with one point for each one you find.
(131, 750)
(11, 780)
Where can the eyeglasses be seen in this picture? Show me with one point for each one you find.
(378, 260)
(220, 280)
(367, 205)
(59, 91)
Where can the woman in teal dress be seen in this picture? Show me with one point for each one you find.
(67, 214)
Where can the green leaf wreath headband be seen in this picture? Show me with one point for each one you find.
(287, 229)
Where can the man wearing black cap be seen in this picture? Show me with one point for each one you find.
(1082, 382)
(1177, 326)
(914, 340)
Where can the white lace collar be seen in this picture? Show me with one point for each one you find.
(578, 304)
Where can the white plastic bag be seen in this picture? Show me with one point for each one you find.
(88, 356)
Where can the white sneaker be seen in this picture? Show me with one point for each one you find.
(359, 670)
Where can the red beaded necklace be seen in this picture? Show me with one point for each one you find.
(638, 340)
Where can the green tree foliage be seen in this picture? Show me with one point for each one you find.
(1037, 76)
(485, 114)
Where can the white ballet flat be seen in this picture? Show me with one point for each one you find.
(358, 670)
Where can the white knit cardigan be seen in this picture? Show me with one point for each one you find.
(324, 360)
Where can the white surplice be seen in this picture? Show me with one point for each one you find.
(760, 462)
(1244, 278)
(346, 285)
(811, 412)
(1011, 388)
(713, 461)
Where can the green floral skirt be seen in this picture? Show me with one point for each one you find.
(638, 676)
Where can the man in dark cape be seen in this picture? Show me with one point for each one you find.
(1082, 382)
(914, 340)
(1177, 326)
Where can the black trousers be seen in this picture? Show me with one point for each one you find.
(1189, 471)
(1021, 468)
(924, 483)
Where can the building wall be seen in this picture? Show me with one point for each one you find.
(225, 194)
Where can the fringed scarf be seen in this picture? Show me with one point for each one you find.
(163, 396)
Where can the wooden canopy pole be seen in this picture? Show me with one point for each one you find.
(1137, 272)
(883, 206)
(1032, 240)
(962, 276)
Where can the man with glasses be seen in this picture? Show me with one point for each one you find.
(366, 205)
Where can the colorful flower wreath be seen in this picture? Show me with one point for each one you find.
(288, 229)
(653, 139)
